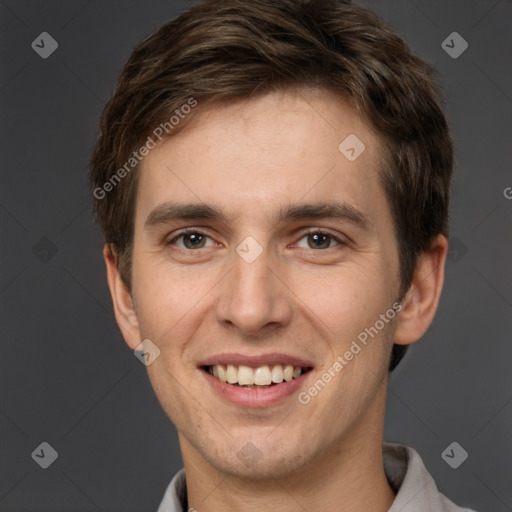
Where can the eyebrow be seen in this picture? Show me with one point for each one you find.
(168, 212)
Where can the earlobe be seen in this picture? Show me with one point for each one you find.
(421, 301)
(124, 309)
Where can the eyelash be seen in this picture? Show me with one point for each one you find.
(194, 231)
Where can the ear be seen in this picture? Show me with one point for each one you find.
(124, 310)
(421, 301)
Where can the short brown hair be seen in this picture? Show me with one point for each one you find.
(227, 50)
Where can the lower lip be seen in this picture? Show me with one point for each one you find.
(255, 397)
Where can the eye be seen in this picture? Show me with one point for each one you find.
(319, 240)
(192, 239)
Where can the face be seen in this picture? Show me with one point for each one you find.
(290, 258)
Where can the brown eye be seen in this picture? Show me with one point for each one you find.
(319, 240)
(191, 240)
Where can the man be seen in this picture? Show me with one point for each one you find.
(272, 181)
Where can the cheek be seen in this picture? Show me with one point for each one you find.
(344, 308)
(343, 297)
(171, 304)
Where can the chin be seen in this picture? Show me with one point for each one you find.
(276, 466)
(261, 460)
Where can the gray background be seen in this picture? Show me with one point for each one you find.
(66, 375)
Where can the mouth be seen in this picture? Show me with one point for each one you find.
(260, 377)
(255, 381)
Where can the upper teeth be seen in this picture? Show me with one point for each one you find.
(260, 376)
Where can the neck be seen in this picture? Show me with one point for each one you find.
(347, 476)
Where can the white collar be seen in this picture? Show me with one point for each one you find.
(405, 471)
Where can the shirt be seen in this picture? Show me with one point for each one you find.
(415, 488)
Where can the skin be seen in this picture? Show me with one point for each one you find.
(249, 159)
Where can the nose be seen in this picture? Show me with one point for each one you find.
(253, 298)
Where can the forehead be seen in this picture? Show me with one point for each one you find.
(255, 156)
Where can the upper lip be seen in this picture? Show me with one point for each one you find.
(256, 360)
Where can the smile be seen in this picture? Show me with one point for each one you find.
(255, 380)
(259, 377)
